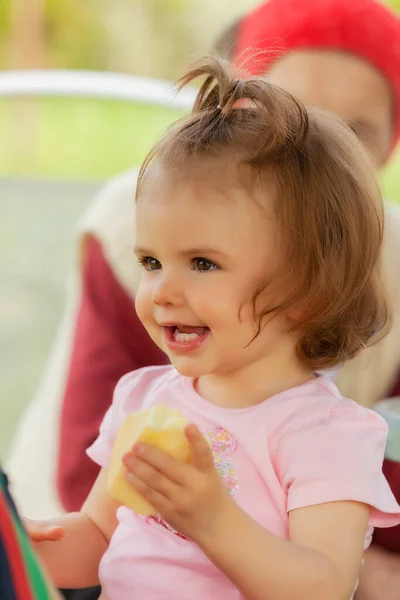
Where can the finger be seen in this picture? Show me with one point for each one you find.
(43, 532)
(150, 476)
(156, 498)
(175, 470)
(202, 457)
(49, 534)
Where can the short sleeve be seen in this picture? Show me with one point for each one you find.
(336, 456)
(100, 450)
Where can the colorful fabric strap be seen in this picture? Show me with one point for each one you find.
(21, 577)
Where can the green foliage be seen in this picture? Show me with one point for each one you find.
(393, 4)
(75, 36)
(78, 139)
(92, 139)
(4, 16)
(4, 29)
(150, 37)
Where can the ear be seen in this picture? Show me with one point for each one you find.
(295, 315)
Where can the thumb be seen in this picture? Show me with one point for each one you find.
(202, 457)
(43, 531)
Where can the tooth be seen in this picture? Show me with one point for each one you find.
(185, 337)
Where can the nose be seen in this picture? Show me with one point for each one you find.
(167, 291)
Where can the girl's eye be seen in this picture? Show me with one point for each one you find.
(150, 263)
(202, 264)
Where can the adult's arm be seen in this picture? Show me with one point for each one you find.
(109, 341)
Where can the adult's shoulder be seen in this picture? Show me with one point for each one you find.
(112, 201)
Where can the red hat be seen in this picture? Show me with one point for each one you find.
(364, 27)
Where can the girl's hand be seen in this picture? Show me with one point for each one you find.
(190, 497)
(43, 531)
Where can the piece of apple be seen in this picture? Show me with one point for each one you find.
(159, 426)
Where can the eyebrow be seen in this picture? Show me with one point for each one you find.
(200, 251)
(197, 251)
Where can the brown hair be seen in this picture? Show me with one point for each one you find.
(328, 208)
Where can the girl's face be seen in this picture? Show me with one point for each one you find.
(345, 85)
(205, 248)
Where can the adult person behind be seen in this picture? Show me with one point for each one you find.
(331, 67)
(342, 56)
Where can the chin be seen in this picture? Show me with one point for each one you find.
(189, 368)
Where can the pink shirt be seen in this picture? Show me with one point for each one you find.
(302, 447)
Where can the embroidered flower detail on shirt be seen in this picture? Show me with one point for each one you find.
(223, 444)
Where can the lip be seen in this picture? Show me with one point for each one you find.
(177, 324)
(183, 347)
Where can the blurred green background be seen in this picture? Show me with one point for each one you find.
(54, 152)
(91, 139)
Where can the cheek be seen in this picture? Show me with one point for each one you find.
(233, 313)
(229, 306)
(213, 306)
(143, 303)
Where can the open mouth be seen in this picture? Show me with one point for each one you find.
(185, 336)
(185, 333)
